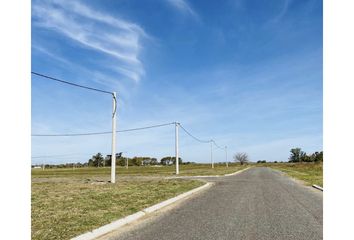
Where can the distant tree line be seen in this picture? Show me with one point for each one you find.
(297, 155)
(265, 161)
(98, 160)
(62, 165)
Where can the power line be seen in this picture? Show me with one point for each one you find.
(217, 145)
(98, 133)
(77, 85)
(70, 134)
(197, 139)
(127, 130)
(142, 128)
(70, 83)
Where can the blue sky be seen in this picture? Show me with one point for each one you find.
(247, 74)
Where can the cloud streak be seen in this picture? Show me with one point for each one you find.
(183, 6)
(105, 34)
(282, 13)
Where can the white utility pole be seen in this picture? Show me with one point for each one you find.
(176, 147)
(113, 158)
(227, 163)
(211, 154)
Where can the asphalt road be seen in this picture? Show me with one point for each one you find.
(259, 203)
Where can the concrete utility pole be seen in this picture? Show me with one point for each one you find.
(113, 158)
(227, 163)
(211, 154)
(176, 148)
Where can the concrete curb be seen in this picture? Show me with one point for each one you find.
(131, 218)
(201, 176)
(209, 176)
(318, 187)
(174, 199)
(109, 227)
(237, 172)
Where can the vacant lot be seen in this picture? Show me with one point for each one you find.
(185, 170)
(310, 173)
(68, 202)
(61, 210)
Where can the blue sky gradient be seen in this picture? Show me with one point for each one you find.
(247, 74)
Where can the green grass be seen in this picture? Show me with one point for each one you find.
(185, 170)
(68, 202)
(62, 210)
(310, 173)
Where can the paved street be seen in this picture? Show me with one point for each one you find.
(259, 203)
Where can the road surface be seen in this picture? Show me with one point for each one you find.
(259, 204)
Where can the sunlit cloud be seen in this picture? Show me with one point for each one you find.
(183, 6)
(103, 33)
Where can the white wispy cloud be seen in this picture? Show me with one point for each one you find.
(282, 13)
(94, 30)
(183, 6)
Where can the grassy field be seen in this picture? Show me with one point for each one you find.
(64, 210)
(185, 170)
(308, 172)
(68, 202)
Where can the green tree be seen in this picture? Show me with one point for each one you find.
(97, 160)
(295, 155)
(90, 163)
(166, 160)
(137, 161)
(317, 157)
(174, 160)
(304, 157)
(146, 161)
(299, 156)
(120, 161)
(154, 161)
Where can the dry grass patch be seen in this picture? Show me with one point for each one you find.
(62, 210)
(185, 170)
(309, 172)
(205, 169)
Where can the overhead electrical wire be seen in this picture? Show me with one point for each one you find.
(127, 130)
(217, 145)
(197, 139)
(78, 85)
(114, 112)
(142, 128)
(70, 83)
(102, 133)
(70, 134)
(98, 133)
